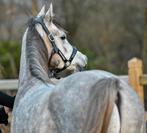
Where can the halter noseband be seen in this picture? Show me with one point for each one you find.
(56, 50)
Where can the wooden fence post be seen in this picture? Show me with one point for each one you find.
(135, 72)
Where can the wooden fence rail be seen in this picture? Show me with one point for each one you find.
(8, 84)
(143, 79)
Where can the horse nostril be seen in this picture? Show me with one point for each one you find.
(80, 68)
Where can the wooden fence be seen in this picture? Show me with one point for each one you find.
(135, 77)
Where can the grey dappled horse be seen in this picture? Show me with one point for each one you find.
(84, 102)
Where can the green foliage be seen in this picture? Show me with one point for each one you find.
(94, 62)
(102, 61)
(9, 59)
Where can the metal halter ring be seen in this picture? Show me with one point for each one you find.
(51, 38)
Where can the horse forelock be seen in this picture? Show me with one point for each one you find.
(37, 54)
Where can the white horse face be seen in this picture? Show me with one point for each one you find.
(79, 60)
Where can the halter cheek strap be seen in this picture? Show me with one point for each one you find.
(56, 50)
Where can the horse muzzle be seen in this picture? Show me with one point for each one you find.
(80, 68)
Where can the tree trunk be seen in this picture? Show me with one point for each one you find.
(145, 43)
(34, 7)
(145, 54)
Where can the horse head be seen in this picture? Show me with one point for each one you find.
(62, 56)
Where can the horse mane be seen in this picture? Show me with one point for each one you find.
(36, 51)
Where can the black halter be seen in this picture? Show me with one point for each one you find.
(56, 50)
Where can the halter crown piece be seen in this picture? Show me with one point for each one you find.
(67, 62)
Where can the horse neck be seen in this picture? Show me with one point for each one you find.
(24, 72)
(26, 76)
(27, 80)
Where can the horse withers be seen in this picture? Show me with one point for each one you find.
(83, 102)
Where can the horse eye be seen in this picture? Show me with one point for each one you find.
(63, 37)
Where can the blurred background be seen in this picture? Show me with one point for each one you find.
(109, 32)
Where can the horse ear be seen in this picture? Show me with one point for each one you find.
(42, 12)
(49, 14)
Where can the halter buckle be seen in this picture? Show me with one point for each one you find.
(67, 64)
(51, 38)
